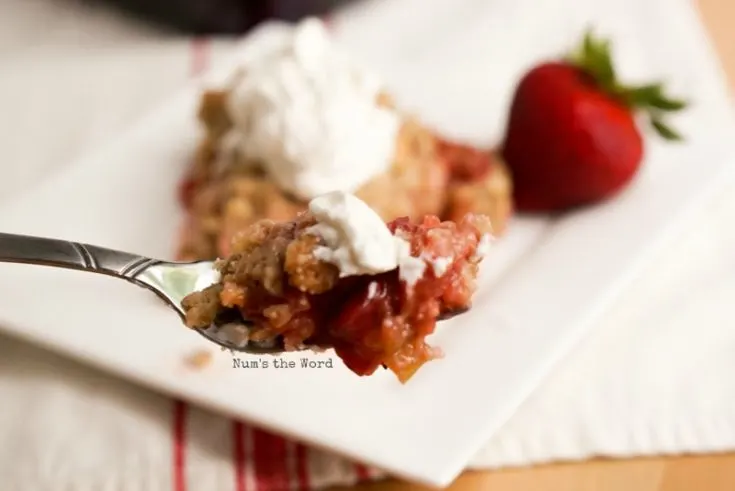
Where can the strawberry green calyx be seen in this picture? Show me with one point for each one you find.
(594, 58)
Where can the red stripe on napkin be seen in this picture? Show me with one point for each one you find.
(270, 462)
(302, 467)
(199, 55)
(362, 472)
(239, 454)
(179, 446)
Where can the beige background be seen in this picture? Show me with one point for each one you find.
(705, 473)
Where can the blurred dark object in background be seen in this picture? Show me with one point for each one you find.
(223, 16)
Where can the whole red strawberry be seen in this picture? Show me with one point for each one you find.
(572, 137)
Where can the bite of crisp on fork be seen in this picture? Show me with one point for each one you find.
(338, 277)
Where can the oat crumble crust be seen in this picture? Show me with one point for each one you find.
(429, 176)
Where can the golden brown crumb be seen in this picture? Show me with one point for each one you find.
(265, 250)
(305, 271)
(252, 236)
(492, 197)
(213, 113)
(225, 207)
(201, 307)
(199, 359)
(278, 315)
(385, 100)
(232, 294)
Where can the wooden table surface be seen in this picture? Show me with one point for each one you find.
(701, 473)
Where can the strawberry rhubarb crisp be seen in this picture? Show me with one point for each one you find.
(301, 119)
(338, 277)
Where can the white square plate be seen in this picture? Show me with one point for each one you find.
(543, 287)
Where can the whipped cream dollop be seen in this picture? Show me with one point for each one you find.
(309, 114)
(357, 241)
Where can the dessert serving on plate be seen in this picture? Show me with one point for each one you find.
(305, 158)
(337, 276)
(302, 120)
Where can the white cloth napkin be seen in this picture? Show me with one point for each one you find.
(654, 378)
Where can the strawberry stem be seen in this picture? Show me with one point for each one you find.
(595, 59)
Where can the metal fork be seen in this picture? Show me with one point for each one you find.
(171, 281)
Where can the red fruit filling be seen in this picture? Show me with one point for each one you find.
(187, 190)
(466, 163)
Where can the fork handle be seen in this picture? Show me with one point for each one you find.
(71, 255)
